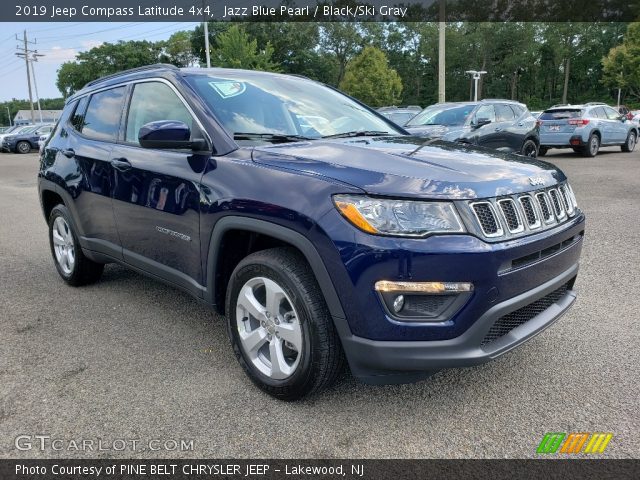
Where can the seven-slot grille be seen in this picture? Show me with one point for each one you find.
(517, 214)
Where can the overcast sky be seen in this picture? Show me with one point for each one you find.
(60, 42)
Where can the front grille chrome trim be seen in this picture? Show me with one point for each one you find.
(499, 231)
(506, 204)
(566, 199)
(537, 223)
(556, 202)
(545, 204)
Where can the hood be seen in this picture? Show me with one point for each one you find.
(405, 166)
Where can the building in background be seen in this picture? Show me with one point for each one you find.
(23, 117)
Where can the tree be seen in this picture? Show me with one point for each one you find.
(177, 50)
(621, 67)
(106, 59)
(343, 41)
(369, 78)
(235, 49)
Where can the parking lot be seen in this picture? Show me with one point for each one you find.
(130, 358)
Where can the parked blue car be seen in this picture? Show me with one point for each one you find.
(27, 140)
(321, 230)
(586, 128)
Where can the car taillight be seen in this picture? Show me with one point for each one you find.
(579, 121)
(538, 123)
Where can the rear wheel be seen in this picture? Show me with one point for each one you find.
(72, 265)
(542, 151)
(279, 325)
(630, 144)
(23, 147)
(529, 149)
(592, 146)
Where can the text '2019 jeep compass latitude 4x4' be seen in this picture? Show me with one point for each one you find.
(321, 230)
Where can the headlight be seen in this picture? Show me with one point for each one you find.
(399, 217)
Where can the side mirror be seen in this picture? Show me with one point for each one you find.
(169, 134)
(481, 122)
(623, 118)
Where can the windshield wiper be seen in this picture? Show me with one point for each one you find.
(269, 137)
(359, 133)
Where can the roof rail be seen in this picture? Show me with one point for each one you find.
(595, 103)
(499, 100)
(154, 66)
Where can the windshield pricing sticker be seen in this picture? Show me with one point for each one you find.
(228, 89)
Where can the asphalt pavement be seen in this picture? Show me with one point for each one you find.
(130, 359)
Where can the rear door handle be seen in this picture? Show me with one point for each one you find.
(69, 153)
(121, 164)
(498, 129)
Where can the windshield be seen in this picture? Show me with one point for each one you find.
(281, 105)
(442, 115)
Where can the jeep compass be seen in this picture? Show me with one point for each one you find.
(323, 232)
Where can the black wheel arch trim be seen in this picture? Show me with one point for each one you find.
(296, 239)
(50, 186)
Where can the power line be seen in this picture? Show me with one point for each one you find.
(58, 37)
(171, 29)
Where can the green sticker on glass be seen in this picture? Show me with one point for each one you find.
(228, 89)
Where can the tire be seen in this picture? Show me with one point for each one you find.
(542, 151)
(23, 147)
(72, 265)
(630, 144)
(592, 146)
(529, 148)
(312, 358)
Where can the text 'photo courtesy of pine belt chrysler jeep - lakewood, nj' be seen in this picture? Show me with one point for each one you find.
(326, 235)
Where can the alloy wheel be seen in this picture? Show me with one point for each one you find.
(63, 246)
(269, 328)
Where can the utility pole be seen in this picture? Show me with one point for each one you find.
(34, 58)
(206, 37)
(9, 115)
(441, 53)
(25, 53)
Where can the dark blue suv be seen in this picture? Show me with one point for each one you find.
(321, 230)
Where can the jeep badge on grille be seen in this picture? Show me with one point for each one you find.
(536, 181)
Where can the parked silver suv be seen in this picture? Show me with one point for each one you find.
(585, 128)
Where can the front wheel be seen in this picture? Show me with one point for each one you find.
(630, 144)
(279, 325)
(23, 147)
(529, 149)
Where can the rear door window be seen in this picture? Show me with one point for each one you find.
(504, 113)
(102, 119)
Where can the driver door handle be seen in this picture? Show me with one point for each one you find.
(69, 153)
(498, 129)
(121, 164)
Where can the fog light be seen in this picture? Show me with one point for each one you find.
(398, 303)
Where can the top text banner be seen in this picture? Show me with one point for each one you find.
(314, 10)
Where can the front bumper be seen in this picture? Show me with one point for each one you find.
(375, 361)
(506, 277)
